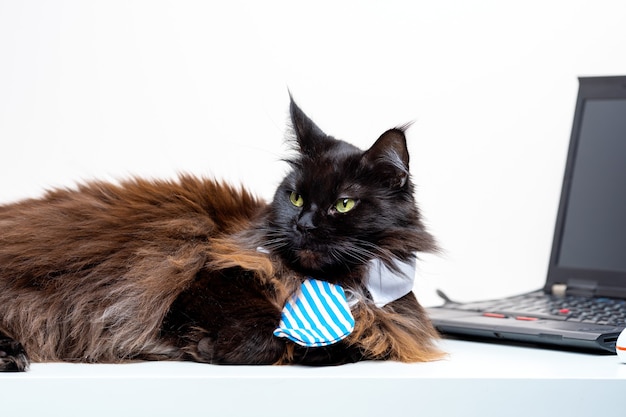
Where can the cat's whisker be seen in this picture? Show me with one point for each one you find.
(276, 244)
(338, 257)
(275, 240)
(351, 252)
(362, 252)
(377, 251)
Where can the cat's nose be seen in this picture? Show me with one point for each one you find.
(306, 222)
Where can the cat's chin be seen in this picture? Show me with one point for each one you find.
(317, 265)
(310, 260)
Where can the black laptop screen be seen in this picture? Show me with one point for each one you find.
(594, 229)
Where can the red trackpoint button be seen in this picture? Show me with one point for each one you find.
(494, 315)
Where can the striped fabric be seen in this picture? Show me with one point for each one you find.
(318, 315)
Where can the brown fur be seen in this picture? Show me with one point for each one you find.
(150, 239)
(126, 252)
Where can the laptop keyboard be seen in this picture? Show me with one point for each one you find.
(537, 306)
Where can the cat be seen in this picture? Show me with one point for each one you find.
(197, 269)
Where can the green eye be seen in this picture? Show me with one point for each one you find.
(296, 199)
(344, 205)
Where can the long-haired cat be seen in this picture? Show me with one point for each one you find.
(195, 269)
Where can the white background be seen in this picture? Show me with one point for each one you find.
(110, 89)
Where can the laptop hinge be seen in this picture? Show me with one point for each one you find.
(575, 286)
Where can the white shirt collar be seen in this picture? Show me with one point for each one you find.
(386, 285)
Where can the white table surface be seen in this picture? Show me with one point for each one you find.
(475, 379)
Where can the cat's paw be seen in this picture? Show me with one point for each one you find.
(13, 357)
(206, 349)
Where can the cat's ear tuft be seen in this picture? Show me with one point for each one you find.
(308, 135)
(390, 156)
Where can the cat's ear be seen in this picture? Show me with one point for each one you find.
(308, 135)
(390, 157)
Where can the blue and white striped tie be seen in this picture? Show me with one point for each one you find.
(317, 315)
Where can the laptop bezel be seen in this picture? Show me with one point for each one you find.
(581, 280)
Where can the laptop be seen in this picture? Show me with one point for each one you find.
(583, 302)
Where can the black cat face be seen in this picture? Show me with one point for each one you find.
(340, 207)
